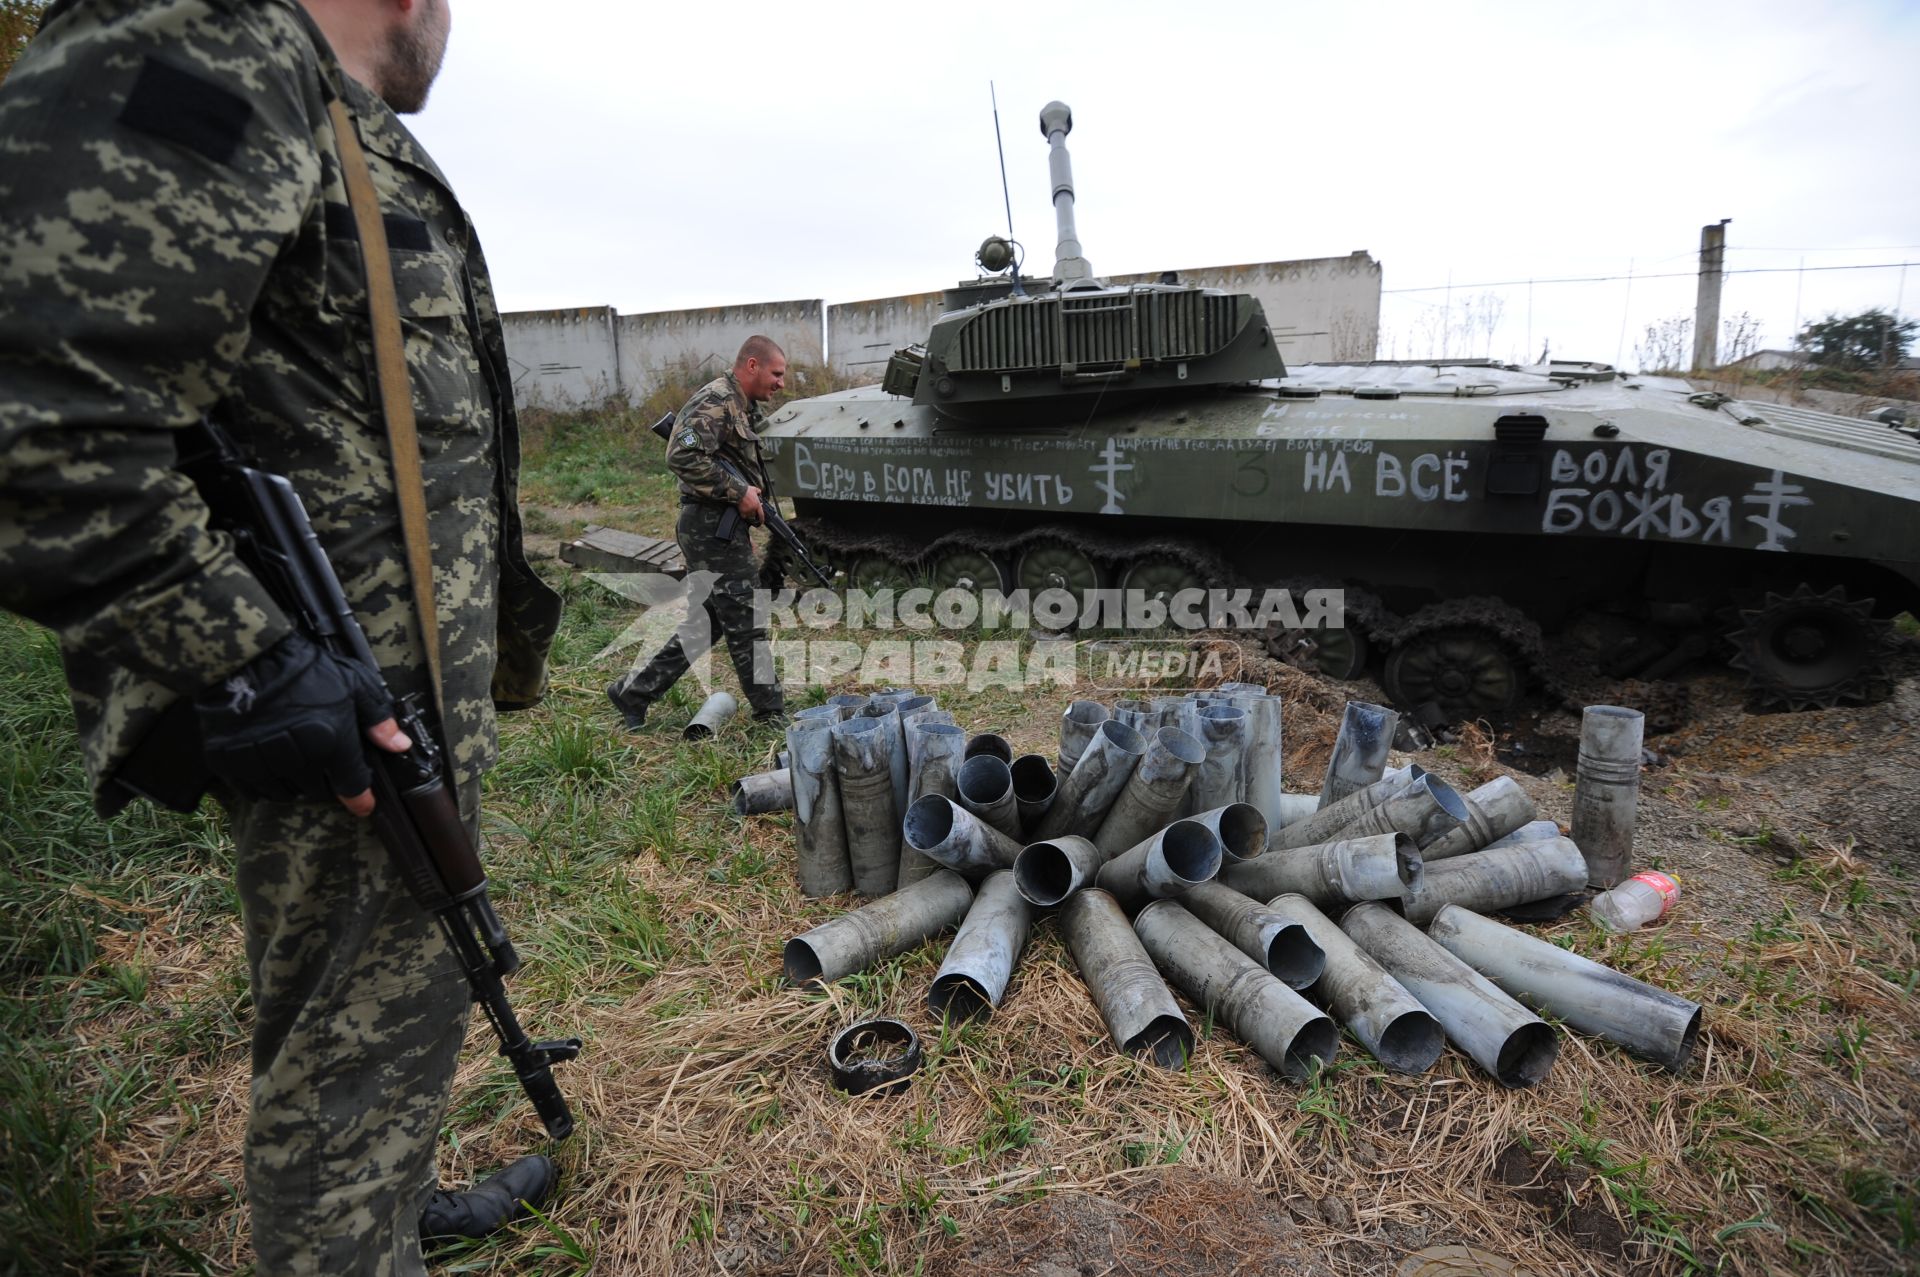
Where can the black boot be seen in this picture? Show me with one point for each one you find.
(494, 1202)
(632, 708)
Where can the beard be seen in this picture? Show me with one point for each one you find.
(413, 56)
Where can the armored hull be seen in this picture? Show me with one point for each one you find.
(1487, 523)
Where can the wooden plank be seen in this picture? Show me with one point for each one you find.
(601, 549)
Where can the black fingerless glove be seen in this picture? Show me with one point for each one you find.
(292, 723)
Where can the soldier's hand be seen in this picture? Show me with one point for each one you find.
(289, 726)
(750, 508)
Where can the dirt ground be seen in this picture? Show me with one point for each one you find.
(1728, 801)
(1180, 1220)
(1732, 789)
(1819, 776)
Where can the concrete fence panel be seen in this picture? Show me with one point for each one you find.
(659, 346)
(1321, 308)
(563, 358)
(861, 336)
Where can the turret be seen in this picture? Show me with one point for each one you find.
(1007, 352)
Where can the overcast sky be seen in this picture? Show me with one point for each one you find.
(653, 157)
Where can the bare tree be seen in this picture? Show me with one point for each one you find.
(1667, 347)
(1461, 325)
(1432, 323)
(1492, 307)
(1351, 336)
(1739, 337)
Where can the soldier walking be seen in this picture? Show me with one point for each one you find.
(720, 420)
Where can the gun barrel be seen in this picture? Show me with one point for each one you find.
(1056, 121)
(536, 1079)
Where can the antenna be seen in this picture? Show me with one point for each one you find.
(999, 146)
(1005, 194)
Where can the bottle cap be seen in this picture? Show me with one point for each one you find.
(1666, 884)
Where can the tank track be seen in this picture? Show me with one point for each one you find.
(1666, 704)
(1558, 670)
(1363, 610)
(843, 543)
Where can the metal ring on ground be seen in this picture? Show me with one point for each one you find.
(874, 1055)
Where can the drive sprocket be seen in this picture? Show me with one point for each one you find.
(1810, 650)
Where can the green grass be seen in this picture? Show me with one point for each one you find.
(598, 461)
(1008, 1129)
(67, 884)
(1161, 1152)
(1319, 1100)
(1837, 874)
(1629, 1183)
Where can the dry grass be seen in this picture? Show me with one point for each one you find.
(710, 1141)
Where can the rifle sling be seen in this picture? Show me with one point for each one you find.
(396, 390)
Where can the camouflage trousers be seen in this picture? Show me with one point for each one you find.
(359, 1012)
(729, 615)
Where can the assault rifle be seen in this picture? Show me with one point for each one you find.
(415, 813)
(769, 512)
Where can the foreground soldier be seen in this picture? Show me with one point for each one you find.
(176, 242)
(720, 419)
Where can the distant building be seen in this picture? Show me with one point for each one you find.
(1769, 361)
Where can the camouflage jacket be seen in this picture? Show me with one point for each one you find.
(175, 241)
(719, 419)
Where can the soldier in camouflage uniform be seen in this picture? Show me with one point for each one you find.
(176, 242)
(720, 420)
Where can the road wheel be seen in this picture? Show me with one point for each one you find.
(969, 570)
(1339, 652)
(1464, 670)
(1159, 577)
(875, 572)
(1055, 565)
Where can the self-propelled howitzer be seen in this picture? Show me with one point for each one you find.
(1490, 524)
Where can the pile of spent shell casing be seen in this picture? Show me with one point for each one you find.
(1162, 838)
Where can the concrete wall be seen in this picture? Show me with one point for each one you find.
(861, 336)
(562, 358)
(708, 339)
(1320, 308)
